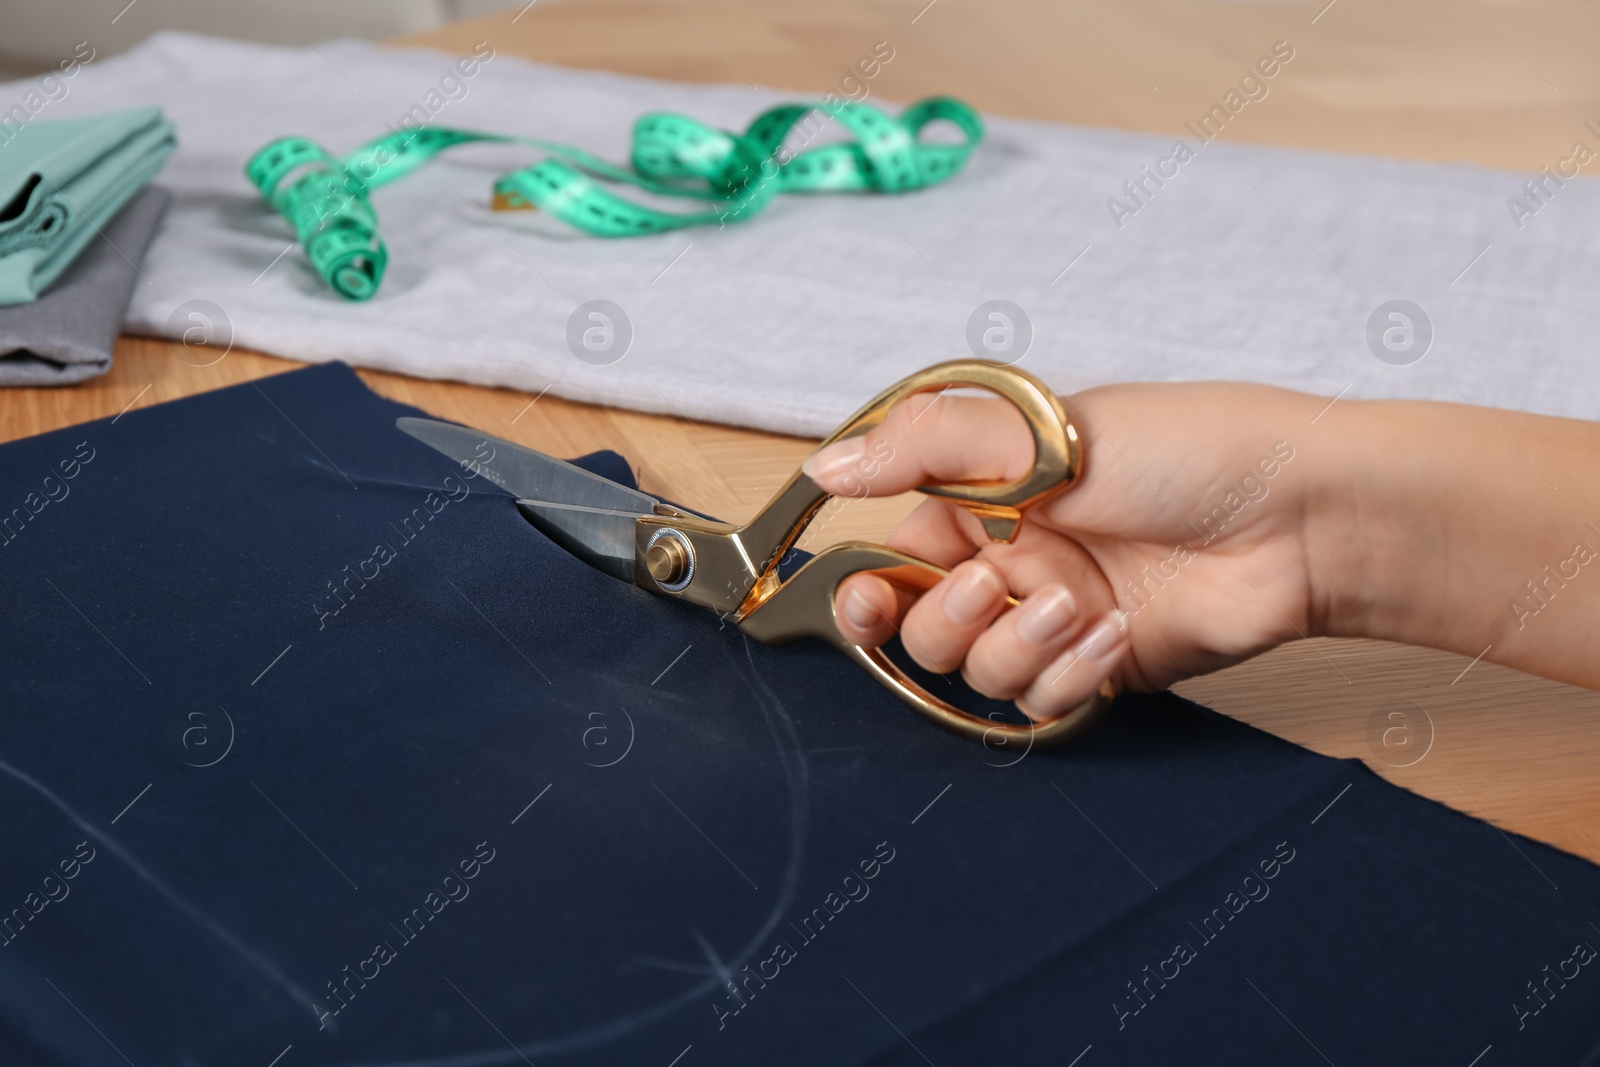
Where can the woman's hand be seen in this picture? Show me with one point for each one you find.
(1216, 520)
(1180, 550)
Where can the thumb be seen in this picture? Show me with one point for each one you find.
(925, 440)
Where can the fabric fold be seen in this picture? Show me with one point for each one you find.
(61, 182)
(68, 334)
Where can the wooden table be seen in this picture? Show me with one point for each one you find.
(1505, 84)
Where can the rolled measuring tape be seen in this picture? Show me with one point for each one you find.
(733, 176)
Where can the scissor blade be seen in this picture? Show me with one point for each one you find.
(601, 537)
(524, 471)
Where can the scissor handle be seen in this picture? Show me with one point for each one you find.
(1057, 462)
(804, 606)
(1057, 451)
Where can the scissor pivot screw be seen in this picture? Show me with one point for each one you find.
(669, 557)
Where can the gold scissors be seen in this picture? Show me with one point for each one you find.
(733, 570)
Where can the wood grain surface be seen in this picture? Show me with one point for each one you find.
(1500, 83)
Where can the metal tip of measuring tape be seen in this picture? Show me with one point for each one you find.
(511, 202)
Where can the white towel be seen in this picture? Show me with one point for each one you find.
(1249, 263)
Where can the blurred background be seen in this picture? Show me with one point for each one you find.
(38, 34)
(1501, 83)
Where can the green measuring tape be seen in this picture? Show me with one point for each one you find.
(735, 175)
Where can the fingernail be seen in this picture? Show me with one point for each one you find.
(859, 610)
(1102, 642)
(838, 458)
(1046, 615)
(1091, 655)
(973, 593)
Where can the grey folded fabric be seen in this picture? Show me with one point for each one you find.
(67, 334)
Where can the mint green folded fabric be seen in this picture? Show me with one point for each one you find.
(62, 181)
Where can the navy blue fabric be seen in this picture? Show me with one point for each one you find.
(351, 774)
